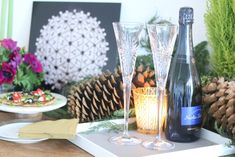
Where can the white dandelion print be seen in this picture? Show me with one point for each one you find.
(71, 47)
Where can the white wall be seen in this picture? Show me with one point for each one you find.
(132, 10)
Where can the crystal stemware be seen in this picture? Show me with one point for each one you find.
(162, 39)
(127, 38)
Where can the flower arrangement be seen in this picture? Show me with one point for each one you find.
(18, 67)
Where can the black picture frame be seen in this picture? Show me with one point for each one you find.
(106, 13)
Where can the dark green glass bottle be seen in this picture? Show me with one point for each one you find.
(184, 90)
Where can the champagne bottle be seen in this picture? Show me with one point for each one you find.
(184, 99)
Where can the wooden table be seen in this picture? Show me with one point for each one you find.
(49, 148)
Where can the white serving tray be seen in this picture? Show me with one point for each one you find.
(209, 145)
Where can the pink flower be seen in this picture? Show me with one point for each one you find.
(15, 59)
(32, 60)
(7, 73)
(9, 44)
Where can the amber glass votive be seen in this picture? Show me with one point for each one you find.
(145, 101)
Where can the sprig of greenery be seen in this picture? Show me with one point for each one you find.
(145, 60)
(202, 58)
(145, 42)
(224, 133)
(110, 127)
(205, 79)
(104, 124)
(120, 113)
(220, 22)
(61, 113)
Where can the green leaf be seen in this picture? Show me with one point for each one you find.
(4, 54)
(22, 51)
(27, 79)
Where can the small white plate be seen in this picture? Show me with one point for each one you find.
(60, 101)
(10, 132)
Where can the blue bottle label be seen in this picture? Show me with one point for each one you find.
(191, 115)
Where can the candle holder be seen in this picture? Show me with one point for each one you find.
(146, 110)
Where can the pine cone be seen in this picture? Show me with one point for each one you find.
(144, 77)
(102, 95)
(220, 95)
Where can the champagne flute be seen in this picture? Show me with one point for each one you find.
(162, 39)
(127, 38)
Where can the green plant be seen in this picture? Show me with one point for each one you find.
(220, 22)
(200, 50)
(202, 58)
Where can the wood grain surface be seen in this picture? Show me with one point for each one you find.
(48, 148)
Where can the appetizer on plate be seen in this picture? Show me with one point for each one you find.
(33, 99)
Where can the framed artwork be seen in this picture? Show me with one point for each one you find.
(73, 40)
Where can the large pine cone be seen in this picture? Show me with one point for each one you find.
(220, 95)
(102, 95)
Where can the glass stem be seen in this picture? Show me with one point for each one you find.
(160, 96)
(126, 95)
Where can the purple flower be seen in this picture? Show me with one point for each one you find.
(32, 60)
(15, 59)
(9, 44)
(7, 73)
